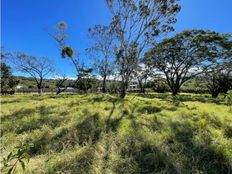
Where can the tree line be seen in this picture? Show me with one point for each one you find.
(130, 49)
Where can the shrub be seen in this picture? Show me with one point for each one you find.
(19, 156)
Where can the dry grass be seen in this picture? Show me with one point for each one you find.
(96, 133)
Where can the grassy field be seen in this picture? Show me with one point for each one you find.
(101, 134)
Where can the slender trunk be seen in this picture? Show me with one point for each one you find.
(123, 90)
(104, 84)
(60, 91)
(39, 89)
(40, 85)
(144, 86)
(143, 90)
(140, 87)
(214, 91)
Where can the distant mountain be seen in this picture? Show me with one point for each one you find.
(29, 82)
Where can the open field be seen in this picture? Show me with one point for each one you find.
(96, 133)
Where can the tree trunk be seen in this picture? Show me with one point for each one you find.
(141, 87)
(143, 90)
(214, 94)
(39, 89)
(60, 91)
(123, 90)
(175, 91)
(104, 85)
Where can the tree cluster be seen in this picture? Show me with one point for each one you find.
(126, 50)
(190, 54)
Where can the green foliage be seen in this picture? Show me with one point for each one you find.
(20, 156)
(160, 85)
(176, 57)
(85, 84)
(67, 51)
(153, 19)
(8, 81)
(62, 25)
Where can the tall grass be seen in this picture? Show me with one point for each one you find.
(95, 133)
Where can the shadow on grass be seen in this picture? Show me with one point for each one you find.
(26, 120)
(201, 157)
(195, 157)
(145, 156)
(183, 98)
(149, 109)
(79, 162)
(18, 114)
(151, 96)
(14, 122)
(104, 98)
(136, 154)
(113, 123)
(86, 130)
(10, 101)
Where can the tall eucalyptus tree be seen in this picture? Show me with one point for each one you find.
(135, 24)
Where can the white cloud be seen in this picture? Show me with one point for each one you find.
(60, 77)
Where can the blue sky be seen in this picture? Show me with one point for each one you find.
(24, 23)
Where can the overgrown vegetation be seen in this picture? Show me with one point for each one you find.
(143, 133)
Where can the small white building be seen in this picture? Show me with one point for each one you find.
(19, 86)
(70, 88)
(133, 86)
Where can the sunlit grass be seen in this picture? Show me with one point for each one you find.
(96, 133)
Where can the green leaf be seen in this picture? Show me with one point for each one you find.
(9, 156)
(27, 156)
(10, 170)
(23, 165)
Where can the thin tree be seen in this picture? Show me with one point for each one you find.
(60, 84)
(37, 68)
(60, 36)
(135, 25)
(102, 52)
(142, 73)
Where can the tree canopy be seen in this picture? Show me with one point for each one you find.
(136, 24)
(188, 54)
